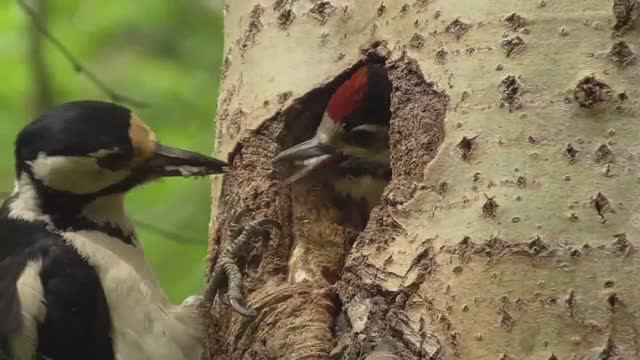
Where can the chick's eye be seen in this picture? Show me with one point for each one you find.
(114, 161)
(361, 138)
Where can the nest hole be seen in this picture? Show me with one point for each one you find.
(320, 227)
(325, 219)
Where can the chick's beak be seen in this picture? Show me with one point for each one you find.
(168, 161)
(306, 150)
(312, 155)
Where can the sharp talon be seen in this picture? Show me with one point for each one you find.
(237, 218)
(269, 222)
(235, 304)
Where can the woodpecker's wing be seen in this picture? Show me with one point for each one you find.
(55, 300)
(9, 305)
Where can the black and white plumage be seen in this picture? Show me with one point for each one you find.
(74, 283)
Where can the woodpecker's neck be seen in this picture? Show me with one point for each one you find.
(65, 212)
(362, 179)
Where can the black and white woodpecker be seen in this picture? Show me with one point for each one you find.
(74, 283)
(351, 144)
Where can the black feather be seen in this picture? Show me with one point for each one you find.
(77, 323)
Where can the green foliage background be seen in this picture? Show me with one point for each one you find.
(167, 53)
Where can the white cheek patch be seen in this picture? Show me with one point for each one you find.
(75, 174)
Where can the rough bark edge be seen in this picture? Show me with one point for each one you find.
(377, 320)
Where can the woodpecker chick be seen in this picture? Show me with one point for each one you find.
(73, 280)
(351, 144)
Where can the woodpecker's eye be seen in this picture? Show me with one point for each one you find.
(114, 161)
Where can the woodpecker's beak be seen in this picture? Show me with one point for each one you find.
(168, 161)
(312, 155)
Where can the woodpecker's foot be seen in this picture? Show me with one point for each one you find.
(226, 267)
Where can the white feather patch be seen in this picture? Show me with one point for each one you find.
(75, 174)
(145, 324)
(108, 210)
(32, 305)
(26, 205)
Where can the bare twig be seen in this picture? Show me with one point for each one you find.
(173, 236)
(75, 63)
(41, 83)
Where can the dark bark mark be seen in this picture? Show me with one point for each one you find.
(381, 9)
(511, 90)
(571, 303)
(603, 153)
(234, 122)
(285, 18)
(625, 12)
(283, 97)
(490, 208)
(254, 28)
(571, 152)
(610, 351)
(601, 204)
(280, 5)
(514, 21)
(226, 64)
(441, 56)
(507, 321)
(622, 244)
(458, 28)
(225, 113)
(404, 9)
(322, 11)
(537, 246)
(590, 91)
(513, 45)
(495, 248)
(417, 41)
(621, 54)
(613, 300)
(466, 146)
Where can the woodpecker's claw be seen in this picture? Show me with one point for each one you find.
(235, 304)
(226, 266)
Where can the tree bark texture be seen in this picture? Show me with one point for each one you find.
(508, 229)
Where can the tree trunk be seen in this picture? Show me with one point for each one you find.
(508, 229)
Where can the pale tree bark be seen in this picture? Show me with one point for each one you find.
(508, 229)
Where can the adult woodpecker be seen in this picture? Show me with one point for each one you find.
(351, 144)
(73, 280)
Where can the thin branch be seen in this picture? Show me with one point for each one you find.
(41, 83)
(170, 235)
(75, 63)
